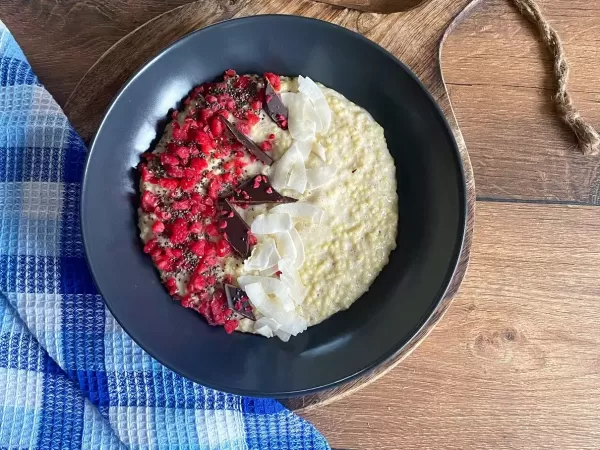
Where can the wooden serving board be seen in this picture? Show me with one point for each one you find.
(415, 36)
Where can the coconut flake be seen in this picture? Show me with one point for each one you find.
(312, 91)
(271, 223)
(269, 271)
(283, 335)
(287, 98)
(319, 150)
(295, 325)
(272, 308)
(298, 180)
(299, 246)
(301, 125)
(289, 275)
(304, 147)
(282, 168)
(319, 176)
(271, 286)
(301, 210)
(285, 245)
(260, 256)
(266, 326)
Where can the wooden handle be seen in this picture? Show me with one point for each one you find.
(414, 36)
(377, 6)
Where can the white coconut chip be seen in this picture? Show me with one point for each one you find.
(272, 308)
(301, 125)
(271, 224)
(319, 176)
(289, 275)
(319, 150)
(283, 335)
(282, 168)
(312, 91)
(260, 256)
(287, 98)
(301, 211)
(298, 179)
(299, 246)
(304, 147)
(266, 326)
(270, 285)
(285, 246)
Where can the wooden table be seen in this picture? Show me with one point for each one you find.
(516, 361)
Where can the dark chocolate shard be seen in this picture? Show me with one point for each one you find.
(236, 231)
(257, 190)
(238, 301)
(274, 107)
(247, 142)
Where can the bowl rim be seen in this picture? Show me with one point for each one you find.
(430, 319)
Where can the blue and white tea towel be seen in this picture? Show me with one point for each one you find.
(70, 378)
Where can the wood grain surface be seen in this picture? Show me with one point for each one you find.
(402, 34)
(497, 75)
(514, 364)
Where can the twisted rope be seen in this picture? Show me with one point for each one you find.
(587, 137)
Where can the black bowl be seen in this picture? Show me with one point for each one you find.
(431, 205)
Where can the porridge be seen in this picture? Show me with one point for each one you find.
(269, 203)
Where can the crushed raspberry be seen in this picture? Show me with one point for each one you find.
(201, 138)
(168, 183)
(174, 172)
(198, 164)
(182, 152)
(168, 160)
(214, 188)
(230, 326)
(162, 215)
(205, 114)
(196, 227)
(216, 127)
(179, 231)
(227, 178)
(179, 133)
(197, 247)
(212, 230)
(181, 205)
(223, 248)
(210, 250)
(274, 80)
(145, 173)
(194, 223)
(252, 118)
(171, 285)
(149, 201)
(187, 301)
(150, 245)
(158, 227)
(187, 184)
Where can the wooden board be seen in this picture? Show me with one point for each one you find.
(498, 79)
(413, 36)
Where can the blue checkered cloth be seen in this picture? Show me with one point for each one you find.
(70, 378)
